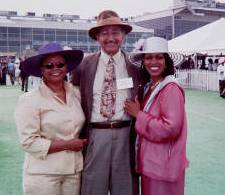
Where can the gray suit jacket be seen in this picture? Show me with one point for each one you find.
(84, 77)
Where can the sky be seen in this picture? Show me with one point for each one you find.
(86, 8)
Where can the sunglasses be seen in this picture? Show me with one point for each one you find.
(51, 65)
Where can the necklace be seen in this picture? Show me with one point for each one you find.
(154, 85)
(61, 94)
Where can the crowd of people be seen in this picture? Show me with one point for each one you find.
(202, 62)
(207, 63)
(11, 71)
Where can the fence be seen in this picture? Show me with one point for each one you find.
(198, 79)
(191, 78)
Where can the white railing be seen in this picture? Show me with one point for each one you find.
(198, 79)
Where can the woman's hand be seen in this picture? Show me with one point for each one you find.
(72, 145)
(76, 144)
(132, 108)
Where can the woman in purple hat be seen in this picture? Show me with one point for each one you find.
(49, 120)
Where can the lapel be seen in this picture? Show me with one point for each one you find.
(132, 72)
(90, 71)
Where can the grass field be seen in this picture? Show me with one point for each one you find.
(206, 144)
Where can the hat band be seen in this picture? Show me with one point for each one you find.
(155, 51)
(110, 21)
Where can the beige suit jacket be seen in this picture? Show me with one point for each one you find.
(40, 117)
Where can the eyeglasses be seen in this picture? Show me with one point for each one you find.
(51, 65)
(115, 33)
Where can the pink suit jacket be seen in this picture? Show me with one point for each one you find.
(163, 132)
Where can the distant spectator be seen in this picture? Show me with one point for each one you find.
(210, 64)
(221, 73)
(203, 65)
(185, 64)
(24, 78)
(4, 72)
(215, 64)
(11, 71)
(0, 73)
(17, 71)
(191, 64)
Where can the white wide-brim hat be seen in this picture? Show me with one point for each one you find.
(154, 45)
(221, 60)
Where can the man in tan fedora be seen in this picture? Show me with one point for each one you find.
(106, 80)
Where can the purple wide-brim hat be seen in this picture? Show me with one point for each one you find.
(32, 65)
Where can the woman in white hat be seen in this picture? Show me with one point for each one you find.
(160, 122)
(49, 120)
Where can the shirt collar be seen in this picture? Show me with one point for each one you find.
(47, 91)
(105, 57)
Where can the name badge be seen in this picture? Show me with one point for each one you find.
(125, 83)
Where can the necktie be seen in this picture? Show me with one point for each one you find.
(108, 96)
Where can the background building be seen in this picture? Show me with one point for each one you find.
(182, 17)
(30, 31)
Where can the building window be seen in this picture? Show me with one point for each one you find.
(49, 31)
(14, 30)
(49, 37)
(38, 31)
(3, 29)
(38, 37)
(60, 32)
(71, 32)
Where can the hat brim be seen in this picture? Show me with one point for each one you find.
(136, 58)
(95, 30)
(32, 65)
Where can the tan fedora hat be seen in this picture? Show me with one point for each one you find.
(108, 18)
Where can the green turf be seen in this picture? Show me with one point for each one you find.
(206, 144)
(11, 155)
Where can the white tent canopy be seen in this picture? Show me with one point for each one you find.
(208, 39)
